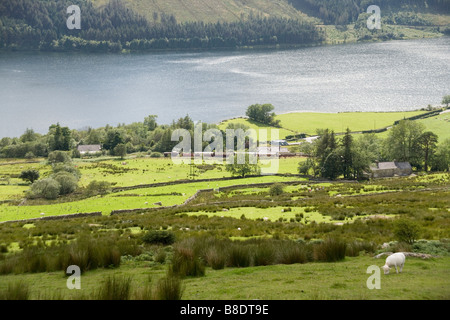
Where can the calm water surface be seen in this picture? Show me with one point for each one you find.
(80, 90)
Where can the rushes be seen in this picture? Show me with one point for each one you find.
(192, 254)
(330, 250)
(15, 291)
(169, 288)
(87, 252)
(114, 288)
(121, 288)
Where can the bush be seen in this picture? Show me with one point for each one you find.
(95, 188)
(29, 175)
(277, 189)
(68, 183)
(406, 231)
(434, 247)
(159, 237)
(58, 157)
(61, 167)
(45, 188)
(30, 155)
(156, 155)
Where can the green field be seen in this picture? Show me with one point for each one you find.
(309, 122)
(132, 199)
(273, 214)
(440, 125)
(282, 132)
(357, 121)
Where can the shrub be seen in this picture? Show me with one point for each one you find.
(156, 155)
(97, 188)
(58, 157)
(29, 175)
(276, 189)
(159, 237)
(406, 231)
(29, 155)
(45, 188)
(434, 247)
(61, 167)
(68, 183)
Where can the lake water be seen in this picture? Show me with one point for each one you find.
(80, 90)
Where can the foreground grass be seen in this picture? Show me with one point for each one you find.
(421, 279)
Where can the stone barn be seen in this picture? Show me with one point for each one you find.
(390, 169)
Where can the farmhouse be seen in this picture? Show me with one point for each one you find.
(390, 169)
(89, 148)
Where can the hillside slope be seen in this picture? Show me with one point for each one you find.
(210, 11)
(347, 11)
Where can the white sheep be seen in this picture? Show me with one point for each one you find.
(396, 260)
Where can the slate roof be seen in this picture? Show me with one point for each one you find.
(391, 165)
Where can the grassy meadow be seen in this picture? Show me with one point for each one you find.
(309, 122)
(421, 279)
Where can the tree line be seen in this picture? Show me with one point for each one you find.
(38, 24)
(332, 157)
